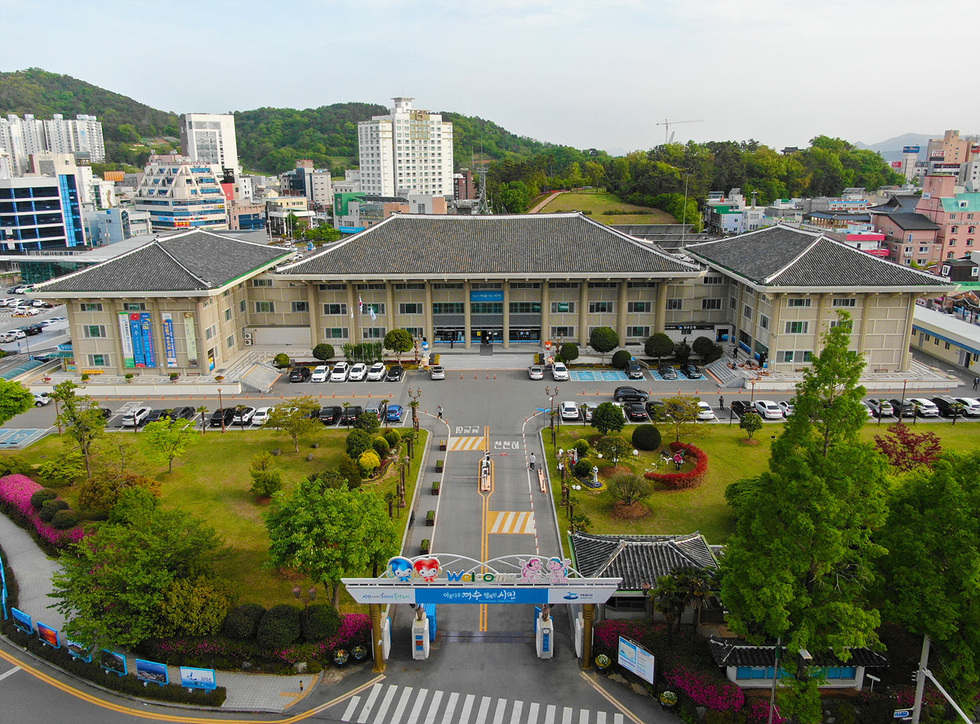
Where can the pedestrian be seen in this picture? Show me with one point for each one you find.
(976, 381)
(439, 411)
(532, 461)
(721, 402)
(452, 343)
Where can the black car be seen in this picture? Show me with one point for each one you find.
(667, 372)
(740, 407)
(691, 371)
(656, 410)
(179, 413)
(907, 409)
(105, 412)
(155, 415)
(634, 371)
(350, 414)
(228, 414)
(299, 374)
(395, 373)
(330, 415)
(32, 329)
(635, 412)
(948, 407)
(629, 393)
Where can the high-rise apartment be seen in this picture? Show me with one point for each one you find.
(21, 137)
(182, 194)
(406, 151)
(210, 138)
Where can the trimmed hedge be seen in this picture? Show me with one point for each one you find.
(583, 468)
(64, 519)
(280, 627)
(621, 359)
(41, 497)
(51, 507)
(646, 437)
(242, 622)
(690, 479)
(322, 621)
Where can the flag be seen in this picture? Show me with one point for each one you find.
(374, 317)
(360, 305)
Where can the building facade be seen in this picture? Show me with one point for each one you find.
(956, 215)
(407, 150)
(21, 137)
(210, 139)
(40, 213)
(181, 194)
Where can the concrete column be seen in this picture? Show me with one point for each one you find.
(379, 654)
(114, 308)
(818, 332)
(865, 318)
(156, 329)
(545, 312)
(583, 313)
(588, 616)
(662, 306)
(774, 329)
(202, 342)
(906, 347)
(391, 317)
(430, 329)
(355, 318)
(468, 330)
(506, 314)
(621, 313)
(314, 311)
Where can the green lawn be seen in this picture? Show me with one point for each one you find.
(212, 481)
(704, 508)
(598, 202)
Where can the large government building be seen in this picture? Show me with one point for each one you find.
(192, 301)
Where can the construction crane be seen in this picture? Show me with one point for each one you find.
(668, 123)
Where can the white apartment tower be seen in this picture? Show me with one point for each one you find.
(406, 151)
(21, 137)
(210, 138)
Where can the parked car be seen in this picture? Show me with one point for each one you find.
(349, 414)
(868, 409)
(299, 374)
(569, 411)
(768, 410)
(740, 407)
(320, 373)
(377, 372)
(535, 372)
(226, 415)
(559, 372)
(948, 406)
(179, 413)
(634, 371)
(924, 407)
(656, 410)
(666, 371)
(395, 373)
(635, 412)
(971, 406)
(438, 372)
(787, 407)
(340, 372)
(704, 411)
(691, 371)
(41, 399)
(155, 415)
(394, 413)
(358, 372)
(244, 417)
(626, 392)
(135, 418)
(261, 416)
(881, 407)
(588, 409)
(330, 414)
(8, 302)
(907, 409)
(105, 412)
(31, 329)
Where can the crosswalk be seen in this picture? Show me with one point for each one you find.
(392, 704)
(466, 443)
(509, 521)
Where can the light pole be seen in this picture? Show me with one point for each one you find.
(310, 596)
(551, 397)
(221, 410)
(415, 407)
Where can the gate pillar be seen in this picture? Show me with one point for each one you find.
(588, 616)
(377, 642)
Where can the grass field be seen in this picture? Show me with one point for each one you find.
(704, 508)
(598, 202)
(211, 481)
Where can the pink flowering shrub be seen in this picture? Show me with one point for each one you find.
(15, 494)
(758, 711)
(704, 690)
(606, 634)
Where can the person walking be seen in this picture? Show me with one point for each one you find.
(721, 402)
(976, 382)
(532, 461)
(439, 411)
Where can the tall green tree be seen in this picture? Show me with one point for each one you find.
(14, 399)
(167, 439)
(658, 345)
(681, 415)
(399, 340)
(608, 417)
(603, 340)
(82, 419)
(327, 533)
(295, 418)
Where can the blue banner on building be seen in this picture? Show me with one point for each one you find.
(137, 337)
(481, 595)
(487, 296)
(146, 328)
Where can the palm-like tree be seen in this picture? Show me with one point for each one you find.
(668, 598)
(202, 411)
(697, 586)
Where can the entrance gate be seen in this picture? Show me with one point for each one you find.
(453, 578)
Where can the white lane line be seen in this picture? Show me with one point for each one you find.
(12, 671)
(532, 713)
(549, 714)
(369, 704)
(447, 716)
(515, 715)
(386, 702)
(417, 709)
(498, 715)
(400, 707)
(348, 712)
(481, 717)
(430, 718)
(464, 715)
(566, 715)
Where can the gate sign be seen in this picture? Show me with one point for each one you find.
(452, 578)
(635, 658)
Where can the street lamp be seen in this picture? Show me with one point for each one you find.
(551, 397)
(310, 596)
(221, 409)
(415, 406)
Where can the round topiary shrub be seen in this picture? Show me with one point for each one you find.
(50, 508)
(646, 437)
(280, 627)
(242, 623)
(380, 445)
(583, 468)
(369, 461)
(281, 360)
(581, 447)
(357, 442)
(41, 497)
(322, 621)
(621, 359)
(393, 438)
(64, 519)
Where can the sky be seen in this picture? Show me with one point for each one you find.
(602, 74)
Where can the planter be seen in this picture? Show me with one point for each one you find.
(424, 547)
(430, 518)
(602, 664)
(359, 653)
(435, 488)
(442, 445)
(439, 466)
(340, 657)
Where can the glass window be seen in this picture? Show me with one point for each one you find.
(335, 333)
(230, 342)
(797, 327)
(90, 306)
(374, 332)
(675, 304)
(264, 307)
(562, 307)
(334, 309)
(638, 332)
(227, 315)
(411, 308)
(563, 331)
(98, 360)
(300, 306)
(134, 306)
(601, 307)
(525, 307)
(714, 280)
(487, 307)
(94, 330)
(634, 307)
(261, 282)
(710, 304)
(242, 306)
(448, 307)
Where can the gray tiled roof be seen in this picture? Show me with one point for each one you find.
(900, 203)
(437, 245)
(735, 652)
(913, 222)
(638, 559)
(781, 256)
(194, 261)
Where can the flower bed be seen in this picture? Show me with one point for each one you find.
(690, 479)
(704, 690)
(15, 500)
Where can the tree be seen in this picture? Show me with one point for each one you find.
(907, 450)
(751, 422)
(368, 422)
(628, 488)
(668, 598)
(83, 421)
(603, 340)
(166, 439)
(614, 447)
(399, 340)
(682, 351)
(194, 607)
(295, 418)
(202, 411)
(681, 414)
(323, 351)
(14, 399)
(568, 352)
(608, 418)
(266, 480)
(328, 533)
(659, 345)
(698, 585)
(703, 346)
(113, 589)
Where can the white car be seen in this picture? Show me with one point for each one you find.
(438, 372)
(559, 372)
(377, 372)
(768, 410)
(704, 411)
(9, 302)
(136, 417)
(261, 416)
(320, 374)
(244, 417)
(924, 407)
(358, 372)
(569, 410)
(971, 406)
(41, 399)
(340, 372)
(787, 407)
(535, 372)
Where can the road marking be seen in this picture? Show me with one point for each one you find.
(375, 690)
(402, 703)
(549, 714)
(386, 702)
(462, 444)
(532, 713)
(498, 716)
(8, 673)
(447, 716)
(351, 708)
(515, 716)
(481, 717)
(430, 718)
(417, 709)
(519, 522)
(464, 715)
(566, 715)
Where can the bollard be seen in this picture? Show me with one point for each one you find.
(488, 375)
(495, 375)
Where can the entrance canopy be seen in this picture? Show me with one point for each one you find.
(451, 578)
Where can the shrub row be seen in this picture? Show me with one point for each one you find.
(682, 481)
(16, 496)
(281, 625)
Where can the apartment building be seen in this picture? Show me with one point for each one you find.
(179, 194)
(210, 139)
(957, 215)
(21, 137)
